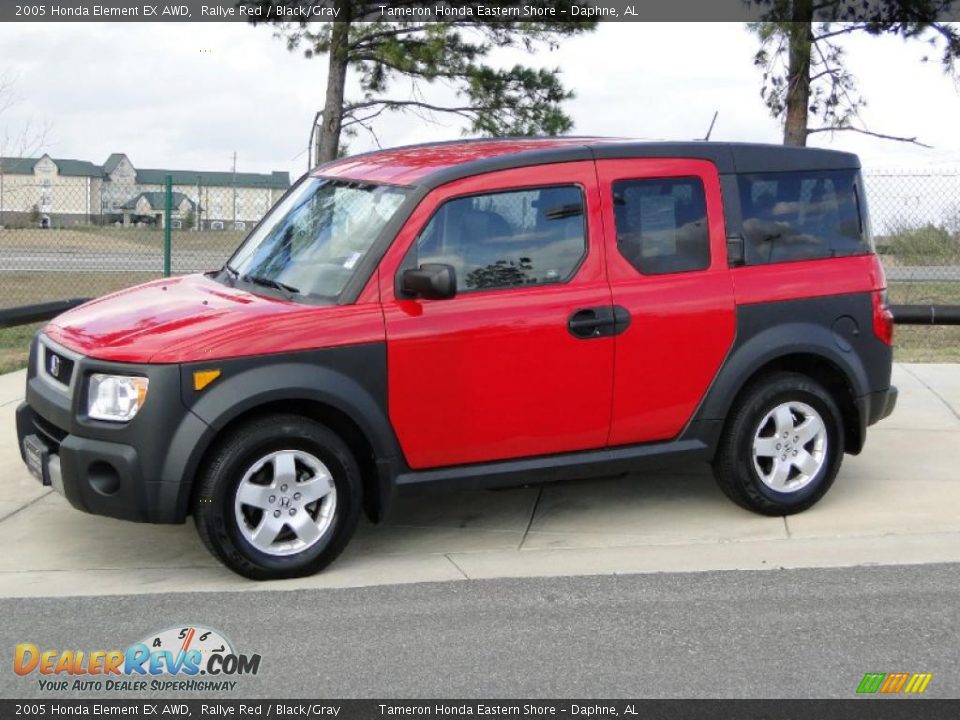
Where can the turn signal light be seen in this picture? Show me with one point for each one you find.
(202, 378)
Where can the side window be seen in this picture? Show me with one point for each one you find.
(801, 216)
(662, 224)
(507, 239)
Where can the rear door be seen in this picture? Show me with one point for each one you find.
(497, 372)
(667, 266)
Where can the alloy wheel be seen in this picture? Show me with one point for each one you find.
(285, 502)
(789, 447)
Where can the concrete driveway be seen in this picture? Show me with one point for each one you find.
(896, 503)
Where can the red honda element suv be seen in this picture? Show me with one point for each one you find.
(478, 313)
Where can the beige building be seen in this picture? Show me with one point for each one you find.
(61, 192)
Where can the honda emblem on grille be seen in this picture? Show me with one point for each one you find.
(55, 366)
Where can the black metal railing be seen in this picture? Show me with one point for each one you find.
(926, 314)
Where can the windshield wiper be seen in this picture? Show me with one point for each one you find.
(270, 283)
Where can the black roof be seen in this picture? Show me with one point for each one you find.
(729, 157)
(737, 157)
(429, 165)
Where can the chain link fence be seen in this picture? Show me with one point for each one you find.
(65, 239)
(916, 225)
(57, 242)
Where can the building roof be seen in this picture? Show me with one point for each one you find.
(77, 168)
(24, 166)
(83, 168)
(111, 164)
(17, 166)
(433, 164)
(156, 201)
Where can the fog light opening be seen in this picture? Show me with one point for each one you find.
(103, 477)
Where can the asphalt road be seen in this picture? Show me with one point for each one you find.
(774, 633)
(37, 260)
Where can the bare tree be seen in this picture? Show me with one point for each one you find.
(23, 141)
(806, 83)
(16, 143)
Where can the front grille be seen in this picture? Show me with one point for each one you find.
(49, 433)
(57, 366)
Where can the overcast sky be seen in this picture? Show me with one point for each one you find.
(189, 96)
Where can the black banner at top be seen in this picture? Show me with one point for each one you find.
(304, 11)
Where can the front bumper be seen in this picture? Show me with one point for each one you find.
(98, 477)
(140, 470)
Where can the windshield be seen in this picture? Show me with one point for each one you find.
(313, 241)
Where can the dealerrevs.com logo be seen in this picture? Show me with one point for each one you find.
(180, 659)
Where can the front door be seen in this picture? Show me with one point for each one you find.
(667, 265)
(498, 371)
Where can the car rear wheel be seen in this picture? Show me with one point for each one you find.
(782, 446)
(279, 498)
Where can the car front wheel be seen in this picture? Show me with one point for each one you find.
(279, 498)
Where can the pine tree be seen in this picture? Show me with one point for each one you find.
(394, 61)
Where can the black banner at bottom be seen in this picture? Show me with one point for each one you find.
(853, 709)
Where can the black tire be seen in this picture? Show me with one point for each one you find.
(213, 509)
(734, 466)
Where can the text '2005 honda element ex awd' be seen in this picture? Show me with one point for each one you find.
(478, 313)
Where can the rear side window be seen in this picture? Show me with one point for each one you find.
(662, 224)
(801, 216)
(508, 239)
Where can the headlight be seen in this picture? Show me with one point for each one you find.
(116, 398)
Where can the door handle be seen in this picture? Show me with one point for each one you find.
(597, 322)
(591, 322)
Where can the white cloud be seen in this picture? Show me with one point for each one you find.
(188, 96)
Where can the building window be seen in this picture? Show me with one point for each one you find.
(176, 224)
(662, 224)
(239, 225)
(216, 225)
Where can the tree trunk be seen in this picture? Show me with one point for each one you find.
(328, 142)
(798, 74)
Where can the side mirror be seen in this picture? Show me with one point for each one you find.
(432, 281)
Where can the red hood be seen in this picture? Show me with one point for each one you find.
(194, 318)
